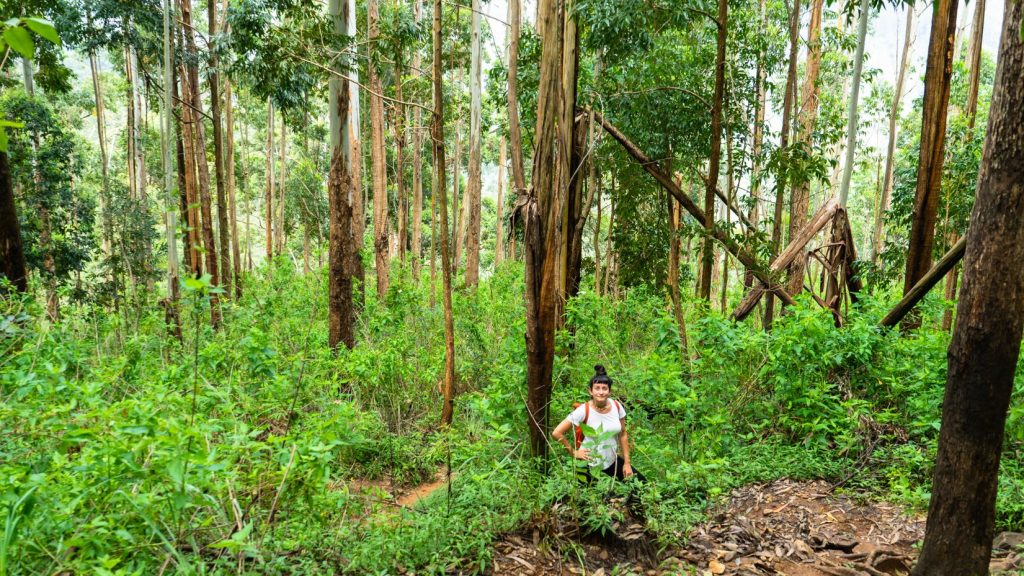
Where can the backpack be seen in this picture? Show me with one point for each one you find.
(586, 417)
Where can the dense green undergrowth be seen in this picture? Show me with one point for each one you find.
(123, 451)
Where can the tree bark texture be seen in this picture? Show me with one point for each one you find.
(514, 132)
(799, 200)
(499, 238)
(268, 196)
(417, 163)
(542, 216)
(437, 133)
(340, 193)
(933, 142)
(986, 341)
(708, 254)
(378, 156)
(199, 150)
(473, 190)
(355, 140)
(224, 244)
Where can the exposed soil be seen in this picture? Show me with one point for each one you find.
(783, 527)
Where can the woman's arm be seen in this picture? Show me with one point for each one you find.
(627, 468)
(559, 435)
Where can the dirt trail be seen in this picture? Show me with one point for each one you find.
(784, 527)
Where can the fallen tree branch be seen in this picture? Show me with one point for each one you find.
(938, 271)
(744, 256)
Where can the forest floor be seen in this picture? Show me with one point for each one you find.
(784, 527)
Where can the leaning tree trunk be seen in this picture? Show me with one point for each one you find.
(780, 184)
(380, 192)
(708, 254)
(473, 190)
(799, 200)
(986, 342)
(437, 134)
(877, 241)
(340, 194)
(933, 142)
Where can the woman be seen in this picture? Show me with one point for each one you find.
(608, 418)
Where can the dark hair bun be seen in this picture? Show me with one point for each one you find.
(599, 370)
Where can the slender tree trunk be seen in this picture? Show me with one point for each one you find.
(597, 243)
(499, 237)
(716, 149)
(608, 245)
(224, 244)
(268, 196)
(473, 191)
(229, 152)
(514, 131)
(358, 203)
(12, 253)
(209, 245)
(986, 342)
(138, 116)
(101, 133)
(280, 242)
(437, 133)
(853, 113)
(167, 139)
(130, 141)
(760, 84)
(417, 163)
(457, 202)
(780, 185)
(380, 193)
(340, 194)
(187, 175)
(878, 240)
(933, 143)
(674, 224)
(800, 198)
(403, 201)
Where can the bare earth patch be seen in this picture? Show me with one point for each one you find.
(784, 527)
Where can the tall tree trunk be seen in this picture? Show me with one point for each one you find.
(597, 240)
(224, 244)
(340, 194)
(853, 113)
(499, 237)
(380, 192)
(167, 139)
(878, 240)
(417, 162)
(800, 198)
(12, 253)
(268, 196)
(716, 149)
(101, 133)
(986, 343)
(199, 150)
(403, 201)
(514, 132)
(187, 174)
(279, 232)
(608, 244)
(933, 144)
(760, 87)
(780, 180)
(229, 152)
(473, 190)
(437, 133)
(138, 115)
(459, 219)
(358, 203)
(542, 217)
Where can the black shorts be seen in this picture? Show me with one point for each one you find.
(615, 471)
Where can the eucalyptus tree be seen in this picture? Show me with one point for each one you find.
(340, 193)
(932, 146)
(377, 153)
(986, 341)
(473, 190)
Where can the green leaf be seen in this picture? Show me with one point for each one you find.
(3, 139)
(20, 40)
(44, 28)
(12, 124)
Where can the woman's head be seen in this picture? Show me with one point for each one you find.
(600, 377)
